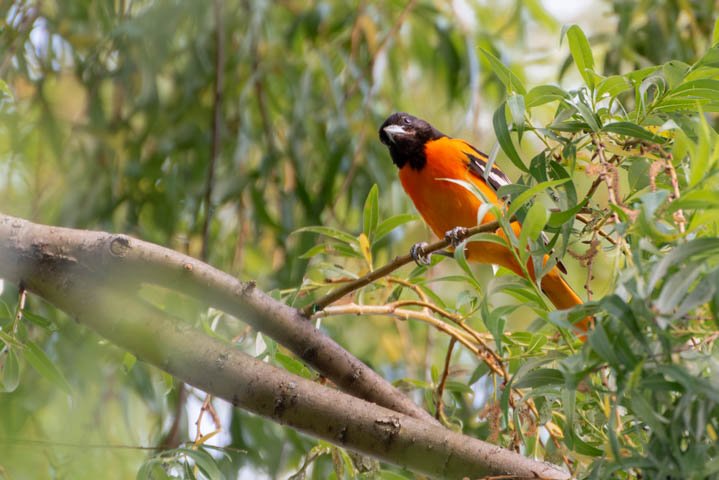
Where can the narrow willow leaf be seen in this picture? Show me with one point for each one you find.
(371, 212)
(588, 115)
(329, 232)
(582, 54)
(39, 361)
(544, 94)
(505, 75)
(633, 130)
(704, 246)
(531, 228)
(523, 198)
(612, 86)
(10, 374)
(515, 103)
(499, 122)
(204, 462)
(391, 223)
(539, 378)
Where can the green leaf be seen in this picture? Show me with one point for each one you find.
(204, 462)
(454, 386)
(709, 59)
(676, 287)
(613, 86)
(371, 212)
(481, 370)
(293, 365)
(393, 222)
(499, 122)
(702, 88)
(704, 246)
(330, 232)
(587, 114)
(532, 227)
(674, 72)
(316, 250)
(557, 219)
(523, 198)
(715, 32)
(638, 76)
(494, 321)
(39, 320)
(152, 470)
(569, 402)
(39, 361)
(515, 103)
(701, 294)
(582, 54)
(646, 413)
(599, 341)
(460, 257)
(540, 378)
(509, 79)
(689, 104)
(633, 130)
(544, 94)
(10, 375)
(536, 343)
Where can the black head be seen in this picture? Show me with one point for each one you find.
(405, 136)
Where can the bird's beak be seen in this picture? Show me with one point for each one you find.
(392, 130)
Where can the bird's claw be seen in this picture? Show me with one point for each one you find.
(456, 235)
(417, 253)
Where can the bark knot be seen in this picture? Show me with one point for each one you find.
(120, 245)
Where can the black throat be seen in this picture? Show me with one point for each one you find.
(411, 153)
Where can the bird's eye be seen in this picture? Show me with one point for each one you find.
(407, 121)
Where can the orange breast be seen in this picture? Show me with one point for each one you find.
(443, 204)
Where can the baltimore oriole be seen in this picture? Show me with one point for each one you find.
(425, 158)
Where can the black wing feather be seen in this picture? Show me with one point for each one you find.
(496, 178)
(478, 165)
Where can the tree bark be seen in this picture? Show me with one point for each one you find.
(127, 262)
(87, 274)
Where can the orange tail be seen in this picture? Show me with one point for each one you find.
(562, 296)
(553, 285)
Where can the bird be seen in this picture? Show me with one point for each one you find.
(426, 159)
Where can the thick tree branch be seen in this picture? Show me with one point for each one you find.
(127, 262)
(80, 272)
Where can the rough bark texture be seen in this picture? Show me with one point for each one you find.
(86, 275)
(127, 262)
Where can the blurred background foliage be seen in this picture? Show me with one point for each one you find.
(106, 122)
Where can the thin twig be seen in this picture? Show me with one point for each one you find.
(445, 374)
(206, 407)
(22, 298)
(601, 232)
(606, 176)
(389, 268)
(679, 214)
(468, 339)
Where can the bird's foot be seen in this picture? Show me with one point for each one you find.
(417, 253)
(456, 235)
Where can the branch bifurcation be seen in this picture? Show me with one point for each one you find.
(94, 276)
